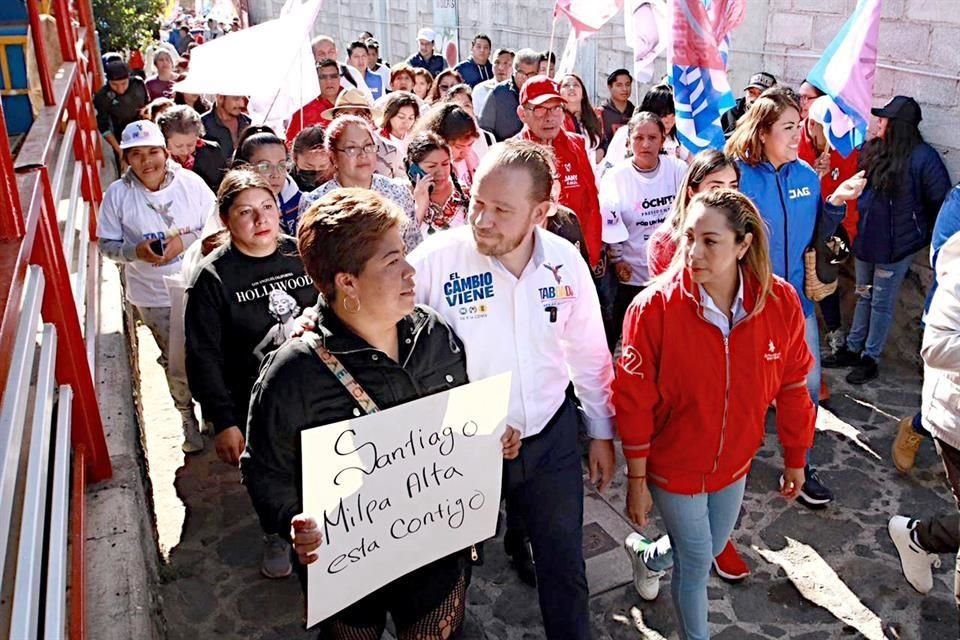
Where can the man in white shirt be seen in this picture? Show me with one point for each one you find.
(523, 300)
(502, 66)
(148, 218)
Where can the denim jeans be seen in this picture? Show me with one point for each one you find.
(699, 527)
(812, 337)
(877, 289)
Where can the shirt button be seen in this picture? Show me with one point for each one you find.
(449, 378)
(374, 357)
(407, 340)
(356, 412)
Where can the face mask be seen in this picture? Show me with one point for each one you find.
(306, 179)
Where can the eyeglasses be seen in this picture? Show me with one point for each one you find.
(541, 111)
(353, 152)
(328, 76)
(267, 168)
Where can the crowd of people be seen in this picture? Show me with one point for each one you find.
(688, 313)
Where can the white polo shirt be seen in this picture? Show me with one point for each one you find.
(544, 326)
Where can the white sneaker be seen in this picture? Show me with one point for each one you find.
(914, 561)
(276, 557)
(645, 581)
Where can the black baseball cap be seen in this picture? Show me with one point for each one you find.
(900, 108)
(762, 81)
(116, 70)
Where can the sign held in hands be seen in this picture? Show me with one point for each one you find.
(398, 489)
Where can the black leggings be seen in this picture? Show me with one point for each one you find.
(625, 295)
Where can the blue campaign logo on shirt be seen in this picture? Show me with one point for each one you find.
(468, 290)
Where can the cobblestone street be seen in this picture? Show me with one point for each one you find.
(816, 575)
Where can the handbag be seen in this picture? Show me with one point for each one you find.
(474, 554)
(821, 263)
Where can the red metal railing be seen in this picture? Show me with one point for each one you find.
(63, 141)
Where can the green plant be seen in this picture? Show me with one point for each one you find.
(126, 24)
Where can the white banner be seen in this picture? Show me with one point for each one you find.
(398, 489)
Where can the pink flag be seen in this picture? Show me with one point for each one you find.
(588, 16)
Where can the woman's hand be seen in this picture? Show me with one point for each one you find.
(639, 501)
(624, 272)
(511, 443)
(822, 164)
(230, 444)
(602, 462)
(793, 480)
(849, 189)
(305, 322)
(306, 537)
(146, 254)
(172, 249)
(421, 196)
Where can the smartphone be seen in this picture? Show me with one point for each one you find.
(157, 246)
(415, 173)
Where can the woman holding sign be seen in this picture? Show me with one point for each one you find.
(707, 348)
(378, 350)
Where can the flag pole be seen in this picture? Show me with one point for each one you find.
(553, 32)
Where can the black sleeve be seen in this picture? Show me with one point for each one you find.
(270, 463)
(206, 373)
(102, 105)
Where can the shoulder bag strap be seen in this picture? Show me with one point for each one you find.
(345, 378)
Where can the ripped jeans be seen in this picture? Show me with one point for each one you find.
(877, 289)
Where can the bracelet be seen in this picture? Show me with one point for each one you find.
(643, 477)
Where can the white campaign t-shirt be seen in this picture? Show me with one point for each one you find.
(642, 201)
(132, 214)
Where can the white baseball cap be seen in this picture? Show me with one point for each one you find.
(426, 34)
(142, 133)
(613, 228)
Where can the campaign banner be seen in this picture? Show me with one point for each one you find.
(397, 489)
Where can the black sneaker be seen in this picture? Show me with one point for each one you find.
(813, 495)
(865, 371)
(520, 550)
(840, 358)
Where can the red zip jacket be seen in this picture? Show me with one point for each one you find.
(840, 169)
(578, 186)
(693, 402)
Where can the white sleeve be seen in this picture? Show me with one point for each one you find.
(423, 279)
(588, 358)
(109, 226)
(941, 334)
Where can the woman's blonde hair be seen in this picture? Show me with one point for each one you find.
(742, 217)
(745, 143)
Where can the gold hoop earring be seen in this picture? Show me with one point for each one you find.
(348, 309)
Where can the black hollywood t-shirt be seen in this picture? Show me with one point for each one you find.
(239, 309)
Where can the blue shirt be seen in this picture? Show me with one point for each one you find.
(473, 73)
(434, 65)
(374, 83)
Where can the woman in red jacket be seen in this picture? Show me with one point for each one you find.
(706, 349)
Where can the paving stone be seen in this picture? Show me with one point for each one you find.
(736, 633)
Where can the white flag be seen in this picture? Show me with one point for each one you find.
(646, 27)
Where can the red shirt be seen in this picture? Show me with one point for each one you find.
(660, 250)
(694, 403)
(308, 115)
(578, 186)
(840, 169)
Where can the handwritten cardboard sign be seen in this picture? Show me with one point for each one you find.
(398, 489)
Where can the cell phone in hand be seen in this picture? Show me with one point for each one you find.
(416, 173)
(157, 246)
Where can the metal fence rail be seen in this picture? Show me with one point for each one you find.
(51, 432)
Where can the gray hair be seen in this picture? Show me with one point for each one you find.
(526, 56)
(180, 119)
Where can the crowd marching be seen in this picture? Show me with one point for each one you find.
(688, 307)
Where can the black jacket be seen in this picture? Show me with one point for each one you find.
(892, 228)
(296, 391)
(499, 115)
(115, 110)
(730, 118)
(210, 164)
(219, 133)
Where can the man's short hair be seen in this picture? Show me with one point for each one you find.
(526, 56)
(503, 50)
(616, 74)
(548, 55)
(356, 44)
(327, 62)
(481, 36)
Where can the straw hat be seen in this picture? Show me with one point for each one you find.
(349, 99)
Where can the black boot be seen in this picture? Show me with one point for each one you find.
(865, 371)
(842, 357)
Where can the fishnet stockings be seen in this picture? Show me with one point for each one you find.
(443, 623)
